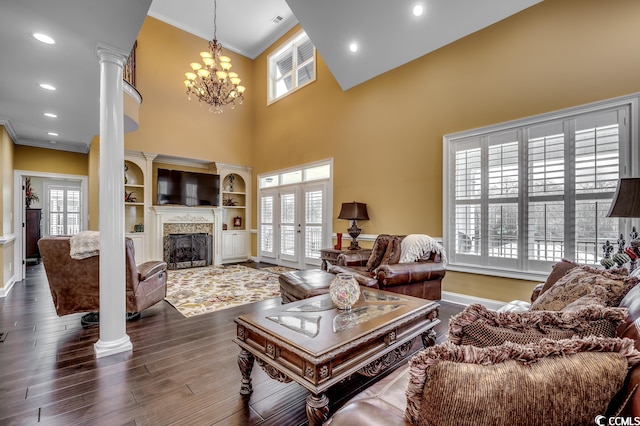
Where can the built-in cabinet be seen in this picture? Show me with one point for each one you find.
(138, 169)
(235, 199)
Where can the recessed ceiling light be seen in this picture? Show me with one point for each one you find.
(47, 86)
(50, 115)
(53, 134)
(44, 38)
(353, 47)
(418, 10)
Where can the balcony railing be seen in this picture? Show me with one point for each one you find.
(129, 72)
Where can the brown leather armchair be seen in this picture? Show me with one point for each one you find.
(380, 269)
(74, 284)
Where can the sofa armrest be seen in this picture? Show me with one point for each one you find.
(363, 278)
(407, 273)
(358, 258)
(148, 269)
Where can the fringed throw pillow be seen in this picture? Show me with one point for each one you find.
(542, 383)
(579, 282)
(478, 326)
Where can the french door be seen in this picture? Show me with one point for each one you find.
(294, 225)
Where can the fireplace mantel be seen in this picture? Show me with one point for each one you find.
(184, 217)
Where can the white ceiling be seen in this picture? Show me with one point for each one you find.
(388, 35)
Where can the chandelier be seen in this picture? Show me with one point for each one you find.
(212, 82)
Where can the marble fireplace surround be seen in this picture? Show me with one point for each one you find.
(184, 220)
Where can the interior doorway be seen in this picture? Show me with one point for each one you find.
(61, 202)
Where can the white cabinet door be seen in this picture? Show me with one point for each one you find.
(234, 246)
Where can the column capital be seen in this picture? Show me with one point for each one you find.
(112, 54)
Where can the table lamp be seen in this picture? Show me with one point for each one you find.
(354, 212)
(626, 203)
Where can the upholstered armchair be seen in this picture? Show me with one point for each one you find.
(74, 283)
(411, 265)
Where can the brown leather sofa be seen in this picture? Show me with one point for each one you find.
(74, 284)
(422, 278)
(384, 403)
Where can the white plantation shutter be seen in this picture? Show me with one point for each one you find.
(64, 204)
(314, 212)
(288, 224)
(267, 224)
(597, 173)
(291, 67)
(529, 194)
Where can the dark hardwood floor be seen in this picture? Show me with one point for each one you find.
(181, 370)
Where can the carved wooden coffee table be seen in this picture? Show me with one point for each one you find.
(317, 345)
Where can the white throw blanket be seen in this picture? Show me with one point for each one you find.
(414, 246)
(84, 244)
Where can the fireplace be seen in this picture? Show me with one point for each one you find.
(196, 235)
(188, 250)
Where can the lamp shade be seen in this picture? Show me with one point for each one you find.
(626, 201)
(353, 211)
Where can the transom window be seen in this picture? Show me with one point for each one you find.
(526, 194)
(291, 67)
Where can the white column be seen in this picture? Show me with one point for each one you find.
(113, 331)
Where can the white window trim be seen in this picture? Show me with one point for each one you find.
(630, 166)
(286, 46)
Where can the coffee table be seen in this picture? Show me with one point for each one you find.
(316, 345)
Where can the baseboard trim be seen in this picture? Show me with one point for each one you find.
(4, 292)
(466, 300)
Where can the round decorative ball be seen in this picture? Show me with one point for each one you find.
(344, 291)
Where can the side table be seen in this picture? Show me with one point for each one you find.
(330, 255)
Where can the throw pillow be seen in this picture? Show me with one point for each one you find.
(392, 254)
(478, 326)
(558, 271)
(377, 251)
(579, 282)
(597, 297)
(536, 384)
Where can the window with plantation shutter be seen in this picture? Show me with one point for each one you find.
(314, 209)
(266, 224)
(64, 209)
(291, 67)
(287, 224)
(526, 194)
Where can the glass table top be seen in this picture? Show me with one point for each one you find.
(371, 305)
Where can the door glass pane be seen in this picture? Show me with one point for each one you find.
(314, 202)
(287, 224)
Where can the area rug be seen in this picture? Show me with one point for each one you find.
(197, 291)
(278, 269)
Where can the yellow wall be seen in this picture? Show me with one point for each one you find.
(172, 125)
(385, 135)
(7, 247)
(50, 161)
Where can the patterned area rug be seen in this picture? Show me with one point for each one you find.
(196, 291)
(278, 269)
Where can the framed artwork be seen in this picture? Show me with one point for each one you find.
(237, 222)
